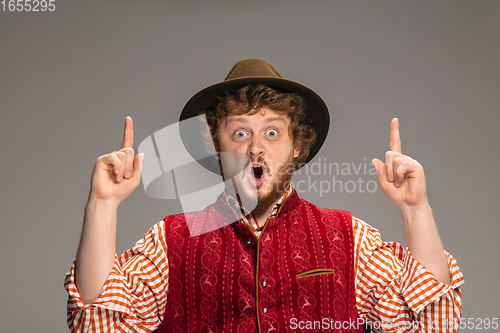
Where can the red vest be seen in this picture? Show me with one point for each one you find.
(299, 276)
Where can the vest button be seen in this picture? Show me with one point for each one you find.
(264, 284)
(249, 242)
(264, 310)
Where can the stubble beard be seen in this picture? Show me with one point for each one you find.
(268, 194)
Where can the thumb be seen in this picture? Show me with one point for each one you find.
(381, 173)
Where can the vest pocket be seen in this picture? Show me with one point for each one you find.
(317, 271)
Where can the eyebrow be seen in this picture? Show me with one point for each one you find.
(239, 119)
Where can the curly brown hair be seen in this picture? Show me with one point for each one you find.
(253, 97)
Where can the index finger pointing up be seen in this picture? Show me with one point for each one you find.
(128, 134)
(395, 141)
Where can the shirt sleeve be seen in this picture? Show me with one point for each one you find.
(134, 296)
(395, 293)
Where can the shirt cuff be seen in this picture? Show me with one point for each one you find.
(420, 288)
(75, 302)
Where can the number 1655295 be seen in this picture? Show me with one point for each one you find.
(28, 5)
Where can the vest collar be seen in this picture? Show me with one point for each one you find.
(224, 209)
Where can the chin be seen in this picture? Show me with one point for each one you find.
(270, 194)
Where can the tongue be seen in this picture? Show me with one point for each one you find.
(256, 177)
(257, 172)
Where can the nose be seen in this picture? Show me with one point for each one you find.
(256, 146)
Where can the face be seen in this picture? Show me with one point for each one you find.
(263, 139)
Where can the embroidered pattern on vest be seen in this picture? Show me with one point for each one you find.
(338, 256)
(209, 280)
(306, 302)
(176, 237)
(305, 258)
(246, 301)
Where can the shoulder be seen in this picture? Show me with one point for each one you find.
(363, 230)
(366, 238)
(359, 223)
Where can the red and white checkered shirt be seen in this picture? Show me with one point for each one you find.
(393, 291)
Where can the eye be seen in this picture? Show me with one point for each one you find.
(272, 133)
(240, 134)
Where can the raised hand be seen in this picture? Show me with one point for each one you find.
(401, 178)
(115, 177)
(117, 174)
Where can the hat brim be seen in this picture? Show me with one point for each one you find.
(206, 99)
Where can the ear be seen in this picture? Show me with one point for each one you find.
(296, 152)
(217, 156)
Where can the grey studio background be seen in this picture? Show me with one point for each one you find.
(68, 79)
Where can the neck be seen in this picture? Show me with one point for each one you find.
(264, 206)
(261, 215)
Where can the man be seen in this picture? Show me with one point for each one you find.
(286, 264)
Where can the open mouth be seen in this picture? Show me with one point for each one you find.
(257, 175)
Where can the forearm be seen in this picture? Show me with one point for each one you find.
(96, 253)
(423, 240)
